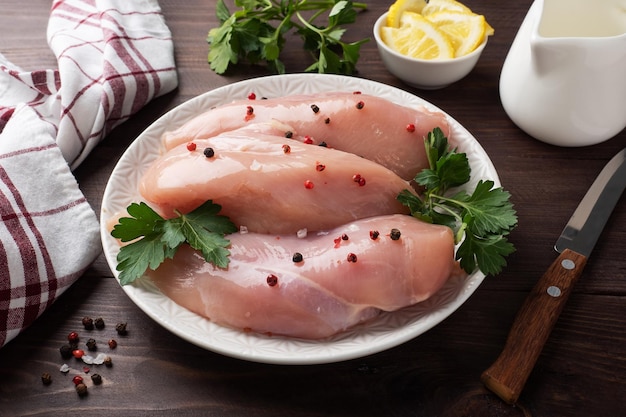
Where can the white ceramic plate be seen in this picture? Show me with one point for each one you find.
(386, 331)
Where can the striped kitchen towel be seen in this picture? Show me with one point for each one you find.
(114, 56)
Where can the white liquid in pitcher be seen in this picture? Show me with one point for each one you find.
(583, 18)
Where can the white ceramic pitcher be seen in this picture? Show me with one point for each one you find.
(564, 79)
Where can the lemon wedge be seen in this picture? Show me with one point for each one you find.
(434, 6)
(401, 6)
(418, 38)
(466, 31)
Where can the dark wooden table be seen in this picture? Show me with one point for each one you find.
(581, 372)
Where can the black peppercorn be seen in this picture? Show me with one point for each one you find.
(395, 234)
(315, 108)
(209, 152)
(99, 323)
(96, 379)
(66, 351)
(297, 257)
(46, 378)
(81, 389)
(91, 344)
(112, 343)
(88, 323)
(120, 328)
(107, 362)
(288, 134)
(323, 144)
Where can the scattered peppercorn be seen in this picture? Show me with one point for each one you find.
(327, 120)
(351, 257)
(108, 362)
(249, 110)
(78, 353)
(289, 134)
(286, 149)
(358, 179)
(209, 152)
(91, 344)
(308, 184)
(66, 351)
(81, 389)
(360, 105)
(323, 144)
(315, 108)
(308, 140)
(191, 146)
(112, 343)
(320, 167)
(356, 92)
(88, 323)
(410, 128)
(96, 379)
(297, 257)
(73, 337)
(99, 323)
(344, 237)
(395, 234)
(272, 280)
(77, 380)
(46, 378)
(374, 234)
(251, 96)
(120, 328)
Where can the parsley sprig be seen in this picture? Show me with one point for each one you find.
(154, 238)
(481, 220)
(256, 33)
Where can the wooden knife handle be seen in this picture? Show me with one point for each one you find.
(532, 326)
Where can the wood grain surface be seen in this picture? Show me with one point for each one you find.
(581, 371)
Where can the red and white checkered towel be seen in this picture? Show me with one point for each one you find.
(113, 56)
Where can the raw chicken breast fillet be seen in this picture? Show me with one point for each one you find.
(372, 127)
(271, 184)
(345, 277)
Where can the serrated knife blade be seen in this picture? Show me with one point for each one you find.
(533, 324)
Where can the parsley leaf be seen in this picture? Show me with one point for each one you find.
(481, 220)
(154, 239)
(256, 33)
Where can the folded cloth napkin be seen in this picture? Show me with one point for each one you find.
(113, 57)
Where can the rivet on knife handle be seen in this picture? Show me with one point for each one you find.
(532, 326)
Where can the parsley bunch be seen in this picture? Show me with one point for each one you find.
(154, 239)
(256, 33)
(481, 220)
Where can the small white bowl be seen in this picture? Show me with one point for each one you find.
(423, 73)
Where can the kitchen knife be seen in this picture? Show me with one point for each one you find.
(534, 322)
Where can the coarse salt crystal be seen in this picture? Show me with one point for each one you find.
(87, 359)
(243, 230)
(64, 368)
(99, 360)
(302, 233)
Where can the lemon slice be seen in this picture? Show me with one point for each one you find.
(465, 30)
(434, 6)
(418, 38)
(401, 6)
